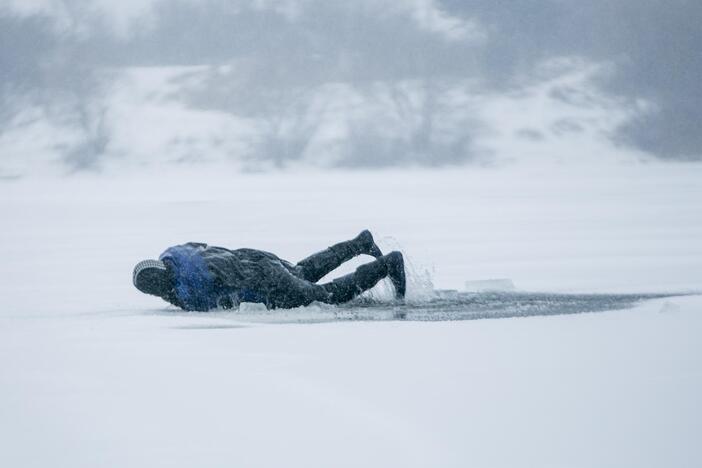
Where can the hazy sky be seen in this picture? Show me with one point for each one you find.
(365, 83)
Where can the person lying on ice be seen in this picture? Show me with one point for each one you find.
(200, 277)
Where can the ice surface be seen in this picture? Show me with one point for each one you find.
(92, 373)
(133, 388)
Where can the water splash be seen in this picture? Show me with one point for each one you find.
(420, 287)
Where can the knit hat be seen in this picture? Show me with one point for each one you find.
(151, 277)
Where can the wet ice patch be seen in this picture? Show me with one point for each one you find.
(444, 305)
(454, 305)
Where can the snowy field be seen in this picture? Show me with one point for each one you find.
(92, 373)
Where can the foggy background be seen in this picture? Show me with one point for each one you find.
(95, 85)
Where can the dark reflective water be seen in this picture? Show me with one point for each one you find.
(449, 305)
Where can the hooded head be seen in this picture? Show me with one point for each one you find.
(151, 277)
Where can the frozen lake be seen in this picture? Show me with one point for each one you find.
(92, 373)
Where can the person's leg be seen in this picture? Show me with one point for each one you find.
(366, 276)
(286, 291)
(317, 265)
(289, 291)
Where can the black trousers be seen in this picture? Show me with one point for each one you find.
(296, 285)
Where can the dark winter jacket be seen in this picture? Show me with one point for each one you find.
(206, 277)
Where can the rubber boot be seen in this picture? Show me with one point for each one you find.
(366, 241)
(396, 272)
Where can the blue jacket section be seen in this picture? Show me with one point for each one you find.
(206, 277)
(193, 283)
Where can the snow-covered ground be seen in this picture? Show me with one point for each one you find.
(94, 374)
